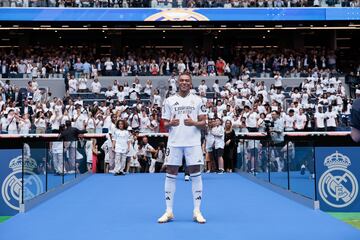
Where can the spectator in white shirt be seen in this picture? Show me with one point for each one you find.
(216, 87)
(172, 82)
(296, 96)
(181, 67)
(73, 85)
(96, 86)
(108, 67)
(320, 120)
(300, 120)
(40, 123)
(202, 87)
(289, 121)
(55, 121)
(109, 93)
(12, 120)
(148, 87)
(121, 94)
(219, 135)
(156, 98)
(25, 124)
(115, 86)
(331, 119)
(251, 118)
(144, 122)
(82, 83)
(278, 81)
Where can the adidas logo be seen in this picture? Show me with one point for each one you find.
(167, 198)
(198, 198)
(176, 103)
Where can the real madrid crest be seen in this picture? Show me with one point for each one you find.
(338, 187)
(11, 189)
(180, 14)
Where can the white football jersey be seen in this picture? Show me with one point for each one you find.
(180, 107)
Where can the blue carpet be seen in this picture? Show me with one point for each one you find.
(108, 207)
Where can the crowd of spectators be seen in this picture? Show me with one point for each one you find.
(244, 101)
(242, 105)
(42, 63)
(179, 3)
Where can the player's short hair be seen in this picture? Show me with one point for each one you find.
(185, 74)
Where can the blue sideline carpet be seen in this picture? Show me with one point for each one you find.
(127, 207)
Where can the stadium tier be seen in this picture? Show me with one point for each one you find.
(174, 3)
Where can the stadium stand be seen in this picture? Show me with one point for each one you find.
(177, 3)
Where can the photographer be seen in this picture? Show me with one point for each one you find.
(277, 128)
(277, 136)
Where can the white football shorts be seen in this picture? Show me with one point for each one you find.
(193, 156)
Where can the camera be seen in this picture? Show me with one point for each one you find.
(268, 124)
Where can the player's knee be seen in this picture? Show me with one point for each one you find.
(173, 170)
(194, 169)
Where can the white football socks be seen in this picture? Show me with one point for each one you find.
(170, 187)
(196, 189)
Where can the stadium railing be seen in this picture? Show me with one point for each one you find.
(35, 165)
(297, 164)
(43, 163)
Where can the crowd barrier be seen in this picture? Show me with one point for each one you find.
(35, 165)
(320, 166)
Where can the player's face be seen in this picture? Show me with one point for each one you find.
(184, 83)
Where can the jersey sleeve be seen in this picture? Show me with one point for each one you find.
(355, 115)
(201, 108)
(166, 113)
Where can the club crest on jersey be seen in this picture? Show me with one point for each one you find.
(338, 187)
(203, 108)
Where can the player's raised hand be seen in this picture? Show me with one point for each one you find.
(174, 121)
(188, 121)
